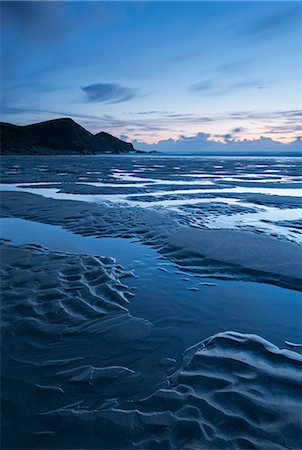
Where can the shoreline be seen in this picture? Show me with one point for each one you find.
(140, 325)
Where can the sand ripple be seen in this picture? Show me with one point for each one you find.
(232, 391)
(66, 320)
(55, 294)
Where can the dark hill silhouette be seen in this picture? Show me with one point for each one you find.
(58, 136)
(113, 141)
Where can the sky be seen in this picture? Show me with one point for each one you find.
(160, 74)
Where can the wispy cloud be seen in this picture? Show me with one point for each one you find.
(108, 93)
(238, 130)
(293, 114)
(34, 18)
(228, 69)
(215, 87)
(204, 86)
(42, 21)
(273, 23)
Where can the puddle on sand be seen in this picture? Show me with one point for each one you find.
(182, 307)
(256, 220)
(49, 192)
(262, 220)
(56, 238)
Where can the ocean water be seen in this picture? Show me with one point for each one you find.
(115, 338)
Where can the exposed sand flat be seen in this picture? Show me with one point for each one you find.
(86, 218)
(102, 354)
(249, 253)
(240, 248)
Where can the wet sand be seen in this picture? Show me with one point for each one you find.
(116, 311)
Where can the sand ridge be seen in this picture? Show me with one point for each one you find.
(250, 254)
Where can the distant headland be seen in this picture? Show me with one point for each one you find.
(59, 137)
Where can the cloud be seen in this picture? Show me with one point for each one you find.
(238, 130)
(186, 56)
(233, 67)
(202, 144)
(124, 137)
(289, 115)
(228, 69)
(108, 93)
(204, 86)
(294, 113)
(41, 38)
(270, 26)
(184, 144)
(38, 20)
(273, 23)
(215, 87)
(43, 21)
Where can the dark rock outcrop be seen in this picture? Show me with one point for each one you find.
(58, 136)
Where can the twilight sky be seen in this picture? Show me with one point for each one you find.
(151, 71)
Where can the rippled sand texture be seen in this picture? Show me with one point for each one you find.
(61, 315)
(102, 354)
(54, 306)
(233, 391)
(53, 293)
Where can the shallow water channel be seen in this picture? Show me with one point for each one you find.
(182, 307)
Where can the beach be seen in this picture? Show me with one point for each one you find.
(151, 302)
